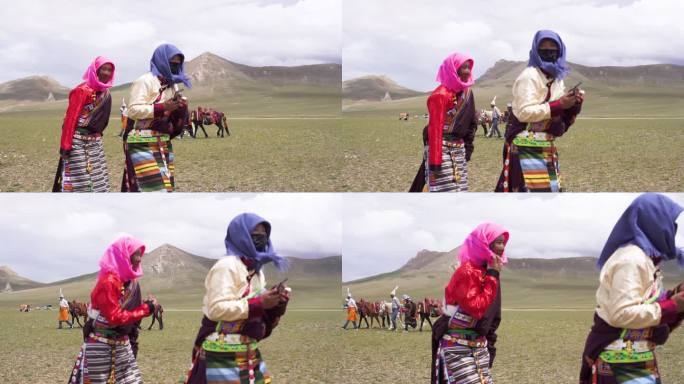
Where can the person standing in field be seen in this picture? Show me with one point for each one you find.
(449, 135)
(106, 355)
(82, 165)
(63, 316)
(634, 312)
(156, 114)
(496, 115)
(464, 337)
(124, 117)
(542, 111)
(410, 314)
(352, 311)
(239, 310)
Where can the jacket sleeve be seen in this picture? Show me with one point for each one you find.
(223, 301)
(526, 108)
(470, 292)
(109, 306)
(77, 98)
(623, 306)
(437, 105)
(139, 106)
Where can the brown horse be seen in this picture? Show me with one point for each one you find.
(157, 315)
(370, 310)
(78, 309)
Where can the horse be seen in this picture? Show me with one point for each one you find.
(25, 308)
(404, 116)
(78, 309)
(209, 116)
(369, 310)
(384, 311)
(157, 315)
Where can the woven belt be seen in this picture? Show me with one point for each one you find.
(635, 346)
(480, 343)
(146, 136)
(218, 342)
(534, 139)
(627, 351)
(91, 137)
(457, 143)
(123, 341)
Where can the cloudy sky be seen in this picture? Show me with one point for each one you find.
(408, 40)
(49, 237)
(382, 232)
(45, 37)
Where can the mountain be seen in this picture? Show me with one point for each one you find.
(238, 89)
(176, 277)
(11, 281)
(375, 88)
(209, 68)
(526, 282)
(504, 72)
(33, 88)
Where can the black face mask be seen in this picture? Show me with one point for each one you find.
(175, 68)
(548, 55)
(260, 241)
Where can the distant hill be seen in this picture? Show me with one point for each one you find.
(33, 88)
(176, 277)
(11, 281)
(527, 282)
(375, 88)
(223, 84)
(505, 72)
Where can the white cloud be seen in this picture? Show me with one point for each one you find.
(541, 226)
(408, 42)
(61, 39)
(50, 237)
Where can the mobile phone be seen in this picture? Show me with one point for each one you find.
(281, 286)
(573, 89)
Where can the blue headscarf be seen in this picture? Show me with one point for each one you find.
(159, 65)
(239, 241)
(649, 223)
(559, 69)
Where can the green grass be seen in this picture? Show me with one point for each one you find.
(382, 154)
(260, 155)
(295, 352)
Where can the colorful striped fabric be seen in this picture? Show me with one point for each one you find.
(464, 365)
(95, 362)
(234, 368)
(453, 175)
(149, 167)
(645, 372)
(539, 168)
(86, 169)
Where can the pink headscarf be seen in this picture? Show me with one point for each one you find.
(117, 259)
(90, 75)
(448, 72)
(475, 248)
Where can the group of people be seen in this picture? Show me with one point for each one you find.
(634, 311)
(389, 310)
(239, 310)
(157, 112)
(541, 111)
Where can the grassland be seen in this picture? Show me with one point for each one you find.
(260, 155)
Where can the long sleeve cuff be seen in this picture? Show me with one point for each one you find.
(256, 308)
(556, 108)
(668, 310)
(158, 110)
